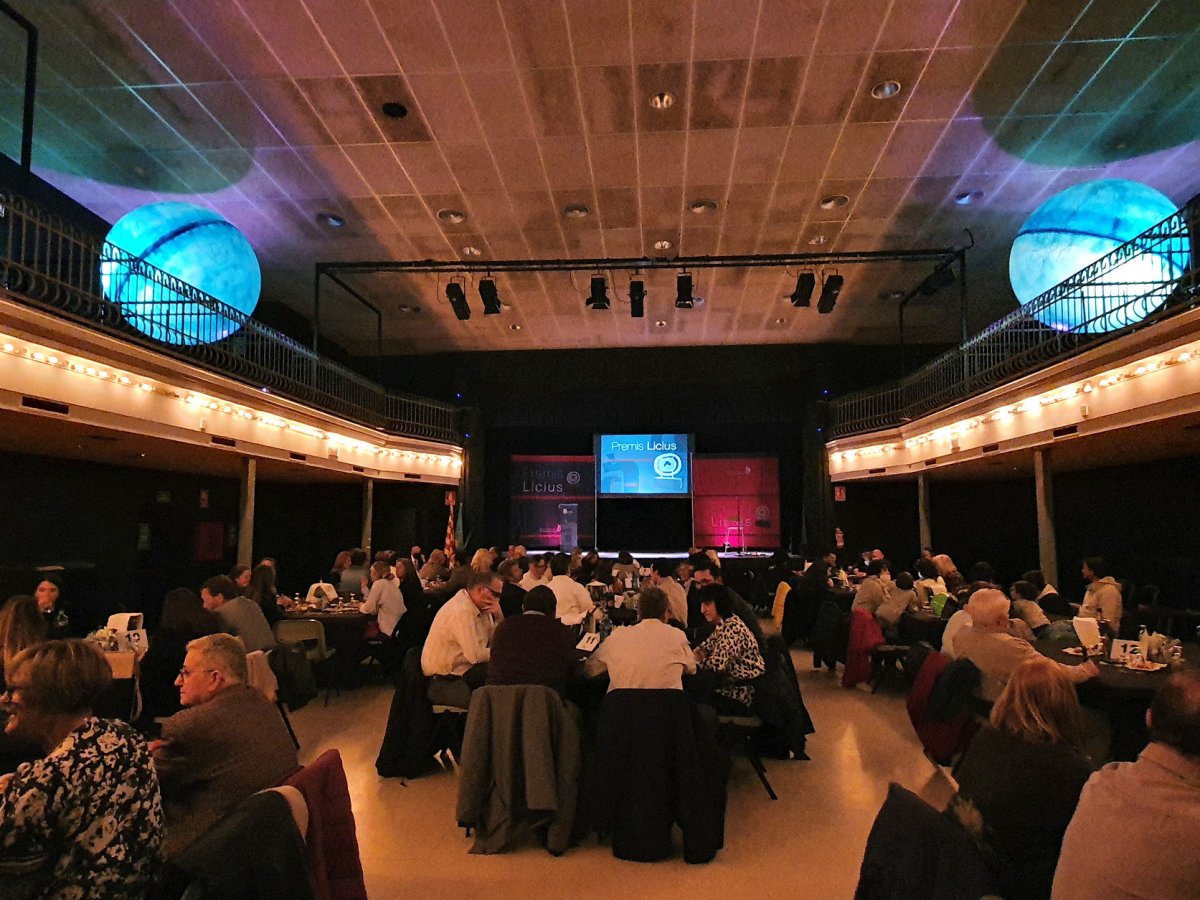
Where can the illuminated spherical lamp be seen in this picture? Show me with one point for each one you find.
(188, 243)
(1078, 226)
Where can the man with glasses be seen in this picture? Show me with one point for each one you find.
(227, 743)
(458, 648)
(539, 566)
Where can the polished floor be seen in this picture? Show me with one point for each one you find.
(808, 844)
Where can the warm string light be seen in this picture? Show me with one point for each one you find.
(196, 400)
(1007, 411)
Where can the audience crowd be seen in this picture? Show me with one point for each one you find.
(101, 806)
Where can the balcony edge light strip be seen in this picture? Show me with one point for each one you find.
(86, 368)
(1005, 412)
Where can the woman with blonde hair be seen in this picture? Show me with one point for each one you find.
(956, 584)
(1019, 782)
(435, 568)
(482, 560)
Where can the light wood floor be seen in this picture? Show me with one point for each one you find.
(807, 844)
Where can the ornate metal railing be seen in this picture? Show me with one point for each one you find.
(1149, 278)
(49, 263)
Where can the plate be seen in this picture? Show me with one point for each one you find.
(1147, 667)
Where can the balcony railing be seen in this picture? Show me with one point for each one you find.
(1152, 277)
(49, 263)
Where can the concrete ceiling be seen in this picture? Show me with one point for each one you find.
(270, 111)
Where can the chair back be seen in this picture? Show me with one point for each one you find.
(521, 760)
(915, 851)
(865, 635)
(259, 675)
(777, 607)
(309, 632)
(331, 842)
(943, 740)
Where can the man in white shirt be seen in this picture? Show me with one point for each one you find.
(384, 600)
(459, 643)
(661, 578)
(574, 601)
(538, 573)
(648, 655)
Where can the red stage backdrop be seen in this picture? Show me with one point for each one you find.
(551, 494)
(729, 491)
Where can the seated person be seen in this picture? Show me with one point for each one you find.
(1025, 606)
(539, 572)
(21, 626)
(1102, 600)
(184, 619)
(228, 743)
(1134, 832)
(962, 620)
(1023, 773)
(533, 647)
(239, 616)
(1048, 599)
(650, 654)
(874, 590)
(59, 618)
(574, 600)
(262, 591)
(512, 595)
(435, 569)
(384, 601)
(997, 653)
(458, 647)
(91, 802)
(352, 578)
(661, 577)
(928, 577)
(900, 600)
(730, 652)
(706, 572)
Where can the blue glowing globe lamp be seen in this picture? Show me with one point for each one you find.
(1078, 226)
(188, 243)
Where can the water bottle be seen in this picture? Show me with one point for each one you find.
(1144, 642)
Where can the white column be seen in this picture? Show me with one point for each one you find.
(368, 514)
(1043, 480)
(923, 510)
(245, 550)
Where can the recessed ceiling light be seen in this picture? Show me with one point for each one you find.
(514, 327)
(660, 323)
(966, 198)
(780, 321)
(505, 306)
(885, 89)
(406, 308)
(663, 245)
(817, 240)
(892, 295)
(394, 110)
(703, 206)
(330, 220)
(453, 216)
(834, 201)
(576, 211)
(662, 100)
(472, 251)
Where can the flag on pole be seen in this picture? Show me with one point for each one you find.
(450, 546)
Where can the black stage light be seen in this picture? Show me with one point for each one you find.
(683, 291)
(805, 285)
(458, 300)
(941, 277)
(599, 296)
(637, 299)
(829, 293)
(489, 296)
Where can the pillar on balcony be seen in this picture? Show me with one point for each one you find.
(1043, 480)
(923, 517)
(245, 548)
(368, 507)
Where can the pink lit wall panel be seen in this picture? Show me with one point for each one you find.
(736, 501)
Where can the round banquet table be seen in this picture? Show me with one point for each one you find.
(344, 631)
(922, 626)
(1122, 695)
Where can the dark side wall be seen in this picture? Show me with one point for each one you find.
(88, 517)
(1143, 519)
